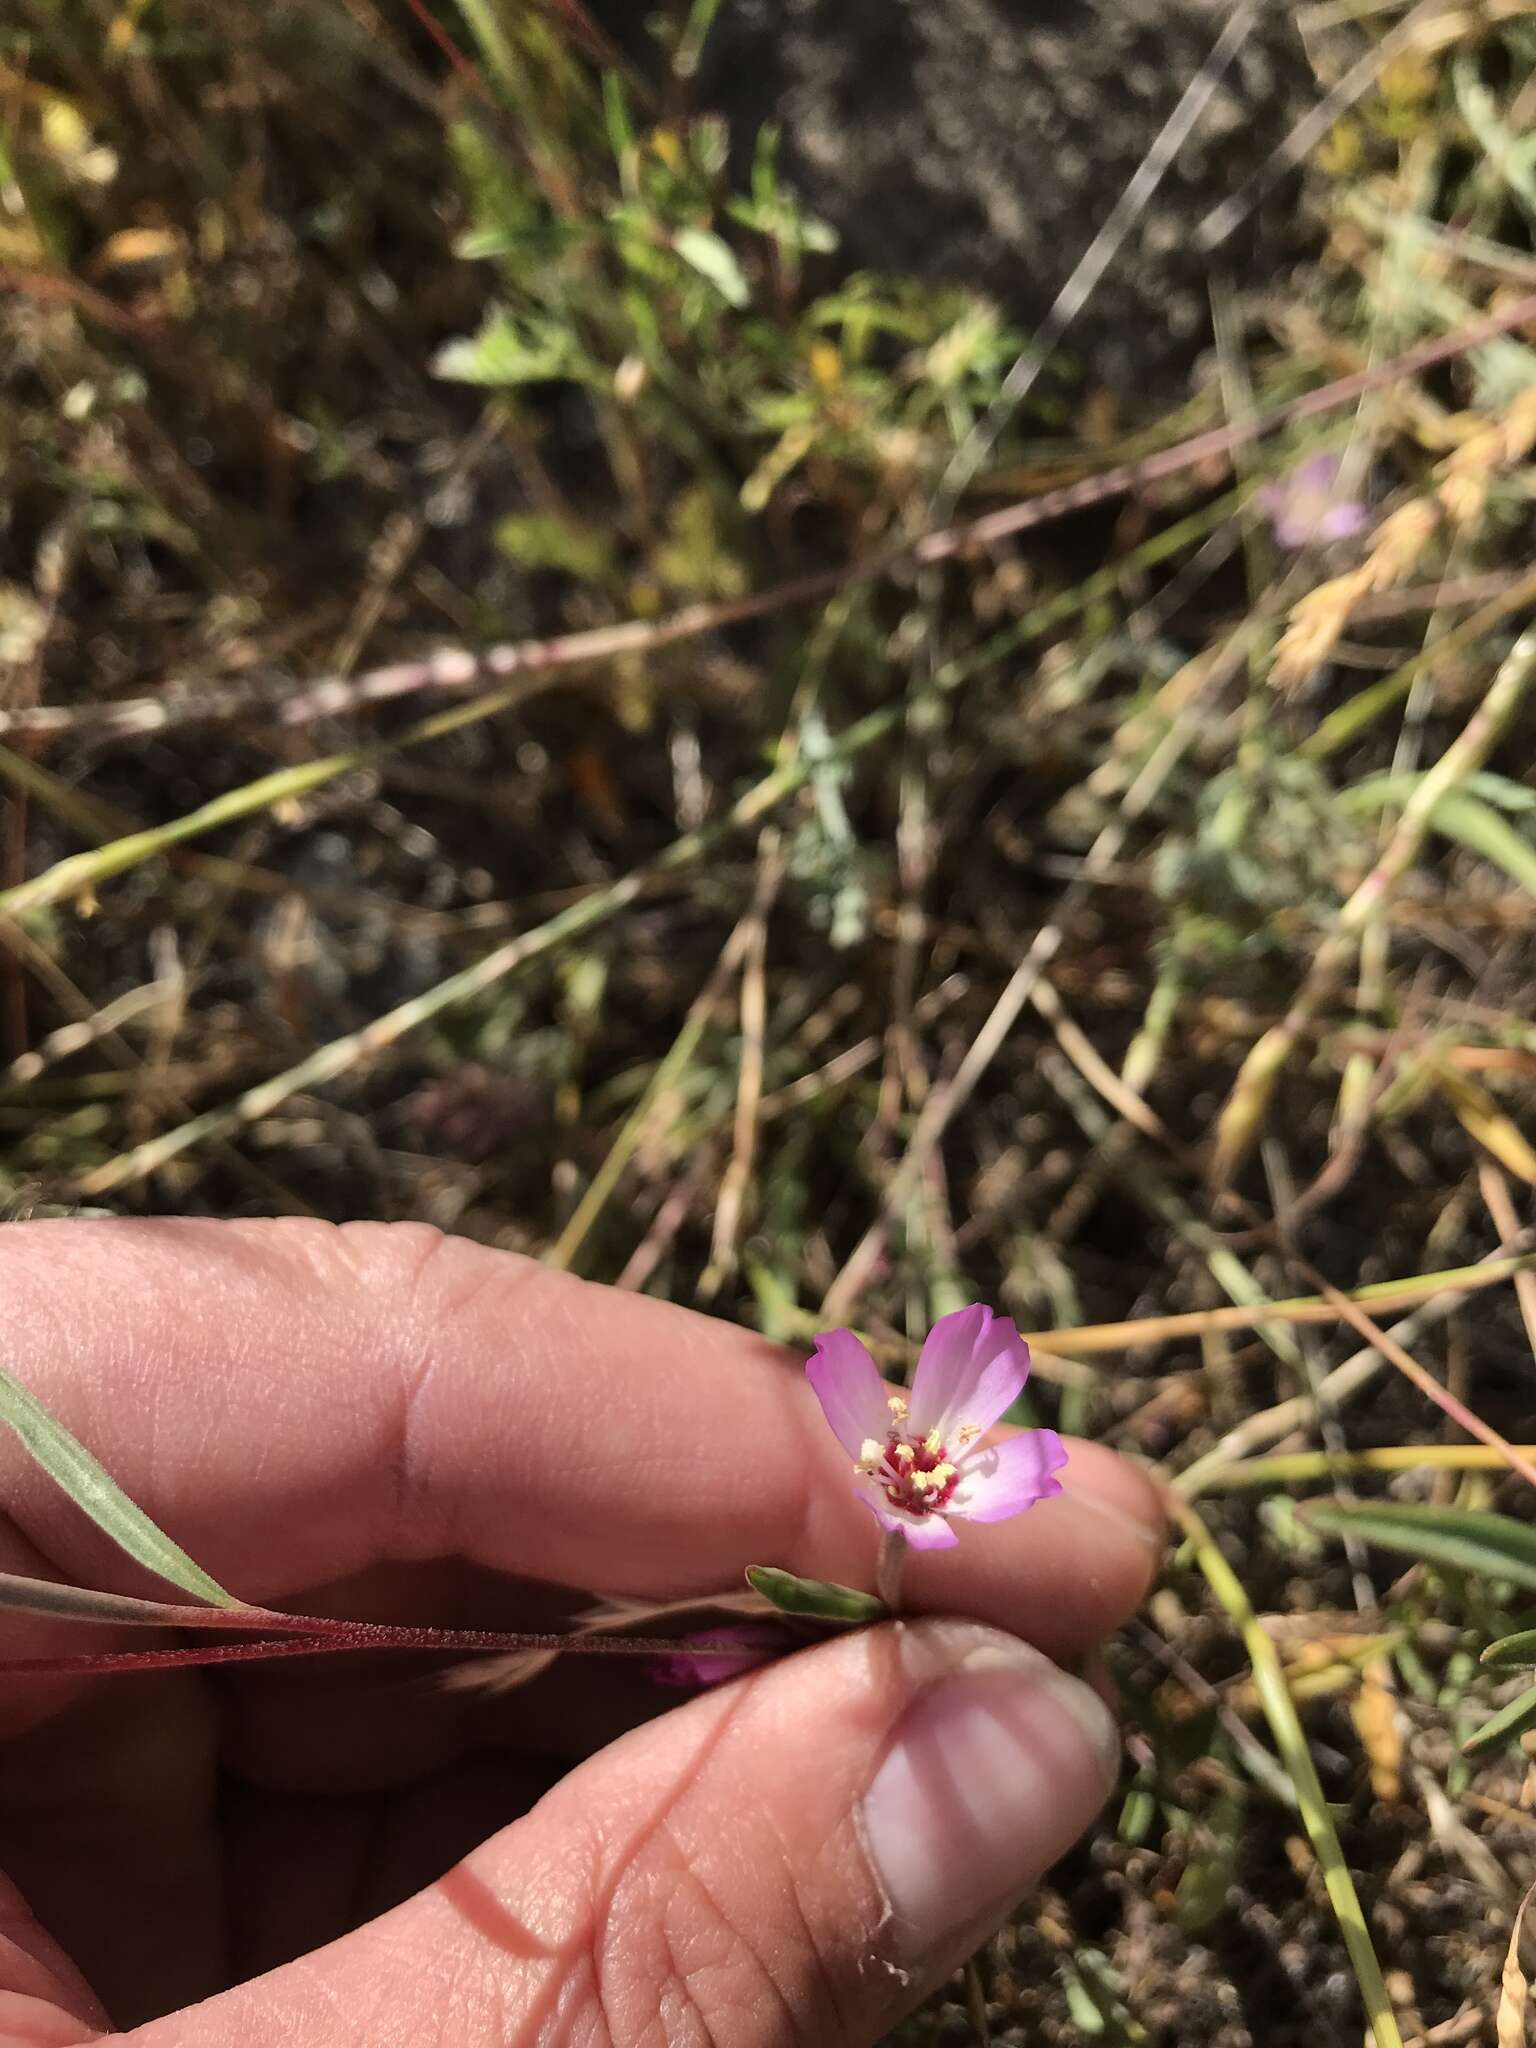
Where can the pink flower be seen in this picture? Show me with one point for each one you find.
(918, 1458)
(754, 1643)
(1305, 505)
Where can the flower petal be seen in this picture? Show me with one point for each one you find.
(923, 1532)
(972, 1368)
(751, 1643)
(1342, 521)
(850, 1390)
(1317, 473)
(1009, 1477)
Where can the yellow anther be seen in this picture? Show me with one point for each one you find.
(968, 1432)
(870, 1454)
(898, 1407)
(933, 1443)
(941, 1475)
(904, 1453)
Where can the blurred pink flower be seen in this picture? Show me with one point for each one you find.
(755, 1642)
(1305, 506)
(918, 1458)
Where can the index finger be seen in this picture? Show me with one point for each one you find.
(295, 1402)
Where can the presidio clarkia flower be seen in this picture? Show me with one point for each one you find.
(1306, 505)
(918, 1458)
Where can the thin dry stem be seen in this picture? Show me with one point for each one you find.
(1245, 1105)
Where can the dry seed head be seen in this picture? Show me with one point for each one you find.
(1520, 426)
(1317, 621)
(1398, 543)
(1464, 497)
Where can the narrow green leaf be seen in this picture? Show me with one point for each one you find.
(98, 1494)
(1291, 1741)
(1512, 1653)
(1470, 816)
(1493, 1546)
(813, 1596)
(1478, 827)
(1509, 1722)
(82, 1603)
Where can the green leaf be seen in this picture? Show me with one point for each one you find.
(548, 540)
(1512, 1653)
(1470, 816)
(511, 351)
(820, 1597)
(1509, 1722)
(97, 1494)
(712, 259)
(1478, 827)
(1493, 1546)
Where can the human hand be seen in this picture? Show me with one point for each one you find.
(380, 1422)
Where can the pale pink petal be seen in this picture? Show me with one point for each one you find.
(1317, 473)
(1009, 1477)
(850, 1390)
(928, 1532)
(972, 1368)
(1343, 521)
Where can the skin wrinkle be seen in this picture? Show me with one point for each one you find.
(417, 1370)
(791, 1889)
(739, 1956)
(665, 1825)
(620, 1867)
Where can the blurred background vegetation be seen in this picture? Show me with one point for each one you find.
(479, 746)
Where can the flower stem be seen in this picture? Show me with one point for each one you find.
(888, 1568)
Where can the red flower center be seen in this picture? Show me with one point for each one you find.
(916, 1474)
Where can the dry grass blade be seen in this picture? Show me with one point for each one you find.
(342, 1054)
(1495, 1193)
(944, 1102)
(1513, 1988)
(1299, 1467)
(1244, 1109)
(1442, 1397)
(1270, 1424)
(1307, 1308)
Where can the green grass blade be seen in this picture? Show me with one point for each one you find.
(97, 1494)
(1466, 1539)
(1509, 1723)
(1478, 827)
(1290, 1740)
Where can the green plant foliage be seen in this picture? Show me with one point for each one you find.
(1463, 1539)
(1508, 1725)
(96, 1493)
(818, 1597)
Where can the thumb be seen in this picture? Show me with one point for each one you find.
(797, 1857)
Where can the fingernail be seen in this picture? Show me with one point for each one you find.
(992, 1772)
